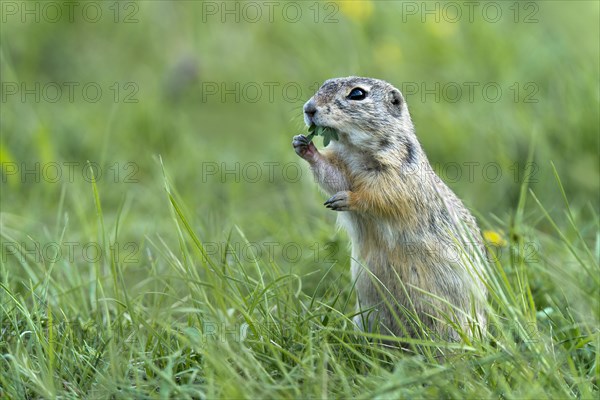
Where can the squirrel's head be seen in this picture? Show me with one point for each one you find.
(367, 113)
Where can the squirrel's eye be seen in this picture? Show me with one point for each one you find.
(357, 94)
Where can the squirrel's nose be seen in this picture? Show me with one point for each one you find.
(310, 108)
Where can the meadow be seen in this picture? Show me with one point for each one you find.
(161, 239)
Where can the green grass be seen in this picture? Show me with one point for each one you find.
(197, 325)
(171, 272)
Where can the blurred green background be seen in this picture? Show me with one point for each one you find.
(216, 90)
(104, 290)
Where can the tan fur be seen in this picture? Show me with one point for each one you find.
(415, 247)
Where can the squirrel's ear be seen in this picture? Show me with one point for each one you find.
(395, 102)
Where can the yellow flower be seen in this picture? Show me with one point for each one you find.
(494, 238)
(356, 10)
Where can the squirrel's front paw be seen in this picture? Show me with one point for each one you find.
(304, 148)
(339, 201)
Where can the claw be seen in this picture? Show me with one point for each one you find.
(338, 202)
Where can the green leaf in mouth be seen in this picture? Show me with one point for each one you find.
(326, 132)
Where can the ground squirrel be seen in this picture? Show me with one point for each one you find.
(416, 250)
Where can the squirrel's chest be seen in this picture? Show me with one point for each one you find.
(370, 236)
